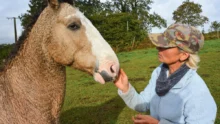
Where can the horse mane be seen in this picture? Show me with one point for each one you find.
(18, 45)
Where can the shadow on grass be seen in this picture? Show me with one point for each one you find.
(106, 113)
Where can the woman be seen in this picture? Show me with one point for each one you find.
(176, 94)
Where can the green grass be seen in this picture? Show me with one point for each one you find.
(88, 102)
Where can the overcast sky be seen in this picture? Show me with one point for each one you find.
(165, 8)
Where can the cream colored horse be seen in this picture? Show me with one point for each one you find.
(32, 85)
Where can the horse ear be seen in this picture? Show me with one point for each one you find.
(55, 4)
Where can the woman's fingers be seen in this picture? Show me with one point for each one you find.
(122, 72)
(122, 81)
(120, 76)
(139, 116)
(144, 119)
(137, 120)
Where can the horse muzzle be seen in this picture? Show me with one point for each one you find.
(106, 73)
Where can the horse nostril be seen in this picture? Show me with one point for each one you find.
(112, 69)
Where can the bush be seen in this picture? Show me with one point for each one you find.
(211, 35)
(5, 49)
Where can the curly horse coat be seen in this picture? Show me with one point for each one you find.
(32, 84)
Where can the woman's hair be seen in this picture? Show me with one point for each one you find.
(193, 60)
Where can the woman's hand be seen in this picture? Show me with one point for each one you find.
(144, 119)
(122, 81)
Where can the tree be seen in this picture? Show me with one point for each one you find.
(117, 31)
(190, 13)
(203, 31)
(28, 19)
(89, 7)
(215, 26)
(5, 49)
(36, 7)
(140, 9)
(121, 22)
(126, 20)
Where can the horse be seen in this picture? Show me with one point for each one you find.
(32, 84)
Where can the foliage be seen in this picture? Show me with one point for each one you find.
(133, 6)
(152, 20)
(212, 35)
(89, 7)
(5, 49)
(215, 26)
(140, 10)
(29, 18)
(128, 21)
(190, 13)
(214, 31)
(112, 18)
(87, 101)
(120, 29)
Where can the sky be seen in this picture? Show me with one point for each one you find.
(165, 8)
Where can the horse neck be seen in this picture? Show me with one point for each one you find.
(32, 69)
(34, 83)
(33, 61)
(33, 76)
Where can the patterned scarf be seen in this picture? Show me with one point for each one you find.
(164, 83)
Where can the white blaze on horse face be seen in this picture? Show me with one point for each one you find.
(107, 62)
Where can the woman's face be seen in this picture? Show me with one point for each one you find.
(169, 55)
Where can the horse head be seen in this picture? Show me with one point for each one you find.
(75, 42)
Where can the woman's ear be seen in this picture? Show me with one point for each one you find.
(184, 56)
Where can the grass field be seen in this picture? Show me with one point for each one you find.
(88, 102)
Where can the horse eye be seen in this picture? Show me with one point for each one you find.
(74, 26)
